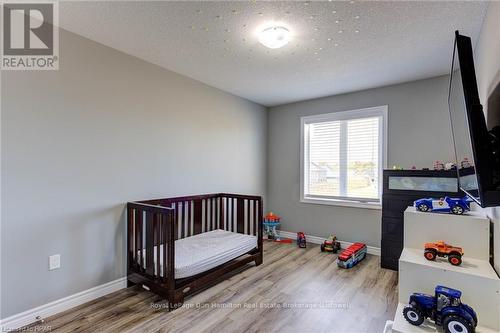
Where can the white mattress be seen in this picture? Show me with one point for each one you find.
(202, 252)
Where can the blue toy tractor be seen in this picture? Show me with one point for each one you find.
(445, 309)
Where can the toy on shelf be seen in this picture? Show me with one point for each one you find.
(271, 224)
(330, 245)
(397, 167)
(301, 240)
(456, 206)
(444, 308)
(465, 163)
(352, 255)
(438, 165)
(441, 249)
(450, 166)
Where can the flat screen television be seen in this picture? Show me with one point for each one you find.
(476, 142)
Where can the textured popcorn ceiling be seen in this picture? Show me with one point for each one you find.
(337, 47)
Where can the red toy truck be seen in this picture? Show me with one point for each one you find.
(301, 240)
(352, 255)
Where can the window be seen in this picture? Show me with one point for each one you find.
(342, 157)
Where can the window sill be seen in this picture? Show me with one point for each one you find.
(343, 203)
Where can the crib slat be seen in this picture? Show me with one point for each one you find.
(234, 225)
(197, 216)
(211, 215)
(175, 220)
(214, 214)
(139, 236)
(188, 219)
(221, 213)
(260, 215)
(210, 212)
(181, 219)
(240, 216)
(207, 222)
(130, 234)
(158, 243)
(255, 218)
(248, 222)
(164, 228)
(228, 217)
(149, 244)
(234, 214)
(228, 214)
(169, 268)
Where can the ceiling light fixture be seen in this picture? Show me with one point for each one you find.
(274, 37)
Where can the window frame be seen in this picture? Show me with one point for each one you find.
(377, 111)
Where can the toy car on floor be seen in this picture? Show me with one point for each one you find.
(455, 206)
(330, 245)
(444, 308)
(441, 249)
(301, 240)
(352, 255)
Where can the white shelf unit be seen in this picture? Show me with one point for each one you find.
(471, 232)
(478, 281)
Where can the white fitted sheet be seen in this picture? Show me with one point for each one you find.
(199, 253)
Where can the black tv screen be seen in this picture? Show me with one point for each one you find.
(476, 148)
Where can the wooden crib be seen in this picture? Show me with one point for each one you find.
(153, 226)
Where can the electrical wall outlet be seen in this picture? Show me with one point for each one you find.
(54, 262)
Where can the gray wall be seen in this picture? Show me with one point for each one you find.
(105, 129)
(418, 134)
(487, 61)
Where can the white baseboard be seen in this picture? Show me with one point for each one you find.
(41, 312)
(319, 240)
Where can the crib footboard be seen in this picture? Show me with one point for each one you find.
(150, 236)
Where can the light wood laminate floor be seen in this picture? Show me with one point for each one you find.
(294, 290)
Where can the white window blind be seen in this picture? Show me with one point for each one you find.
(342, 156)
